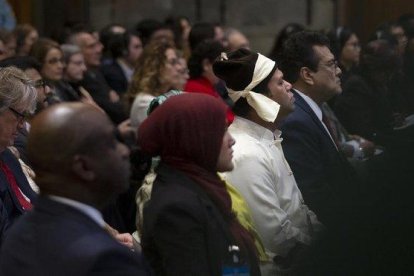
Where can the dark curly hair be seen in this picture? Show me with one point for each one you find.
(208, 49)
(298, 52)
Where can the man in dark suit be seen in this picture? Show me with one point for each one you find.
(80, 166)
(323, 175)
(118, 70)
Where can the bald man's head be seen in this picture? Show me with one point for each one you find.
(236, 40)
(76, 143)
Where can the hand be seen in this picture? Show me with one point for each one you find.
(126, 239)
(87, 98)
(113, 96)
(367, 147)
(126, 131)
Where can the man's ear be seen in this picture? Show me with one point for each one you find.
(306, 75)
(82, 167)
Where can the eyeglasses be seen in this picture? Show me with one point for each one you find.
(21, 117)
(333, 64)
(39, 84)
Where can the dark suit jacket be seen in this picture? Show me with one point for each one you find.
(115, 77)
(10, 201)
(56, 239)
(94, 82)
(364, 109)
(184, 233)
(20, 144)
(4, 222)
(323, 175)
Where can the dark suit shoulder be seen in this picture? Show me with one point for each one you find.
(55, 239)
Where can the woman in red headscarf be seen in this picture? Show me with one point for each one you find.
(188, 227)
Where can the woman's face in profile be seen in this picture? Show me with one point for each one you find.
(351, 50)
(172, 71)
(53, 65)
(225, 159)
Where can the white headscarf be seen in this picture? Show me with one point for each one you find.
(266, 108)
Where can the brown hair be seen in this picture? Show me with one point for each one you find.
(148, 75)
(21, 32)
(41, 47)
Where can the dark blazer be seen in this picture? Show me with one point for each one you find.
(4, 222)
(94, 82)
(364, 109)
(56, 239)
(323, 175)
(10, 201)
(20, 144)
(183, 232)
(115, 77)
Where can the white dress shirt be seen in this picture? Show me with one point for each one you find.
(139, 108)
(318, 112)
(264, 178)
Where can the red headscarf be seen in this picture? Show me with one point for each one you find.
(187, 132)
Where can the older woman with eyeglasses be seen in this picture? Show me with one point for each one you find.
(159, 70)
(17, 100)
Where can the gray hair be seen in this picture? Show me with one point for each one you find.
(16, 90)
(69, 50)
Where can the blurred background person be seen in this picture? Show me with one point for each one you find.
(9, 40)
(235, 39)
(202, 78)
(364, 107)
(93, 80)
(281, 37)
(106, 34)
(125, 49)
(25, 35)
(181, 27)
(153, 30)
(346, 49)
(50, 56)
(159, 71)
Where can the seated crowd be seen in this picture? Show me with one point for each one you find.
(171, 149)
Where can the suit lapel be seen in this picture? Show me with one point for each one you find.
(19, 176)
(302, 104)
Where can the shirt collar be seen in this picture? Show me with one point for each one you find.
(314, 106)
(88, 210)
(128, 71)
(255, 130)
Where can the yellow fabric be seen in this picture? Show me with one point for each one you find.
(244, 216)
(238, 205)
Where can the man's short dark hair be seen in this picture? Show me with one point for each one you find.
(208, 49)
(200, 32)
(298, 52)
(22, 62)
